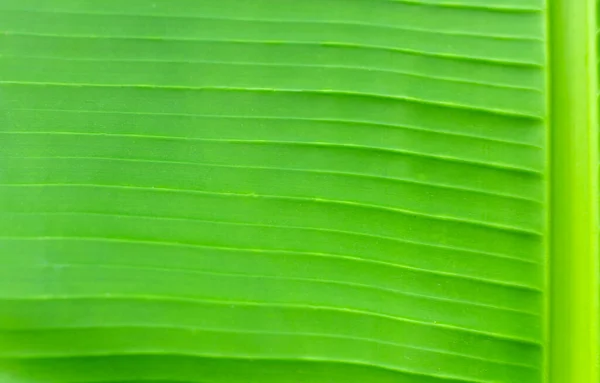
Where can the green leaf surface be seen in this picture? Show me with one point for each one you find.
(319, 191)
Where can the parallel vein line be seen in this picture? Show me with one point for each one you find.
(61, 265)
(298, 170)
(250, 224)
(404, 212)
(364, 363)
(276, 118)
(325, 144)
(490, 60)
(260, 304)
(456, 4)
(458, 80)
(336, 256)
(319, 23)
(193, 329)
(439, 104)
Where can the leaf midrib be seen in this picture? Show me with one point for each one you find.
(573, 303)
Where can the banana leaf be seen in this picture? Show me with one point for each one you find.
(298, 191)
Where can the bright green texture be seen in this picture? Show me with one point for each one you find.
(277, 191)
(574, 282)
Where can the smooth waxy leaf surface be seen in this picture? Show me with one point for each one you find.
(273, 191)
